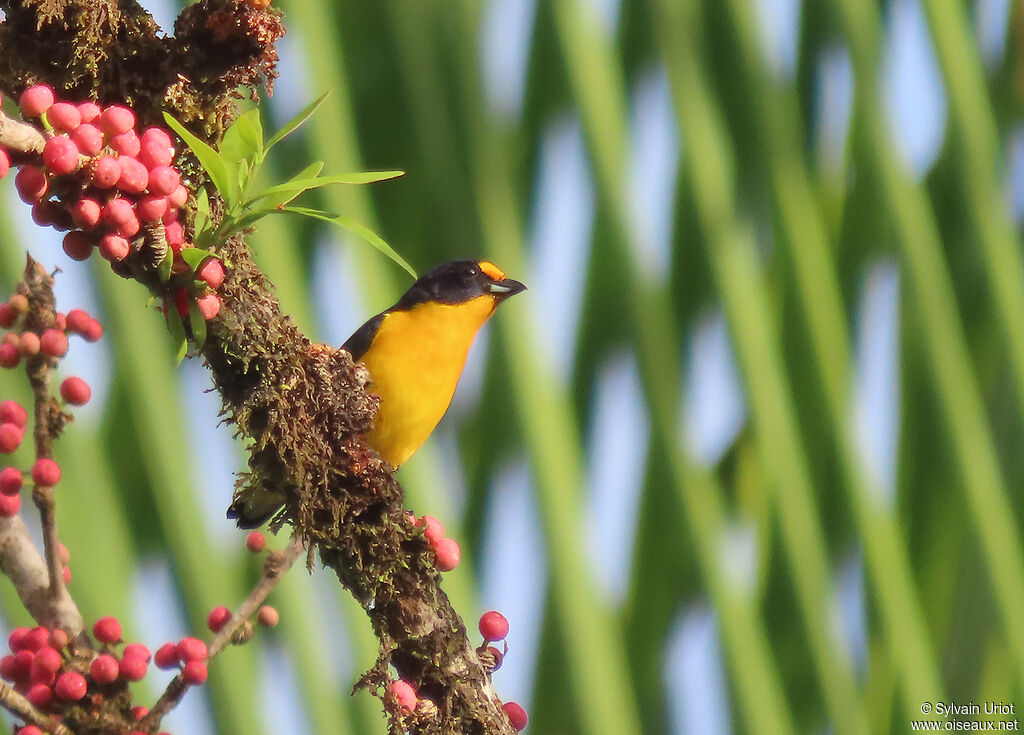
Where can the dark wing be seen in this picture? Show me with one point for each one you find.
(361, 339)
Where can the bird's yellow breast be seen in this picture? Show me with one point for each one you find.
(415, 360)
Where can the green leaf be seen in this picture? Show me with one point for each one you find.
(210, 160)
(163, 269)
(202, 220)
(298, 185)
(194, 257)
(285, 195)
(197, 323)
(356, 228)
(243, 140)
(295, 122)
(177, 330)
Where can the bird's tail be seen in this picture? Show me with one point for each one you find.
(254, 506)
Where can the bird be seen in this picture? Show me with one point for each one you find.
(414, 352)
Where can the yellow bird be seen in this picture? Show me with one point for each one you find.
(415, 352)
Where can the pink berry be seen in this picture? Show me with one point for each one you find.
(36, 100)
(191, 649)
(133, 668)
(88, 138)
(163, 180)
(30, 730)
(116, 120)
(105, 172)
(134, 176)
(30, 344)
(7, 668)
(127, 143)
(209, 305)
(58, 638)
(7, 316)
(175, 236)
(107, 630)
(47, 659)
(10, 481)
(60, 154)
(16, 639)
(137, 650)
(5, 163)
(268, 616)
(405, 694)
(71, 686)
(10, 438)
(212, 271)
(65, 574)
(138, 712)
(448, 554)
(117, 211)
(75, 391)
(14, 413)
(54, 343)
(86, 212)
(36, 638)
(40, 695)
(516, 715)
(114, 247)
(171, 215)
(9, 505)
(433, 530)
(104, 669)
(166, 657)
(255, 541)
(156, 148)
(9, 355)
(23, 664)
(93, 331)
(77, 320)
(151, 208)
(215, 621)
(493, 626)
(178, 197)
(64, 116)
(78, 245)
(89, 111)
(130, 228)
(31, 184)
(46, 472)
(194, 672)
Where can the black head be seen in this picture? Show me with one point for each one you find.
(458, 281)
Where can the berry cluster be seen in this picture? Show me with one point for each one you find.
(446, 550)
(22, 342)
(52, 677)
(111, 188)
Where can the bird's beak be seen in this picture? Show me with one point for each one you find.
(506, 287)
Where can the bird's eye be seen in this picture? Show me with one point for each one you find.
(473, 271)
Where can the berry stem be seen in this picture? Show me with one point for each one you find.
(274, 568)
(18, 705)
(21, 137)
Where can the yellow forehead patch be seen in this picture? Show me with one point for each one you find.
(494, 272)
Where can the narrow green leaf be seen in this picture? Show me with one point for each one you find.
(164, 269)
(197, 323)
(281, 198)
(354, 227)
(298, 185)
(177, 331)
(202, 220)
(295, 122)
(193, 257)
(210, 160)
(243, 140)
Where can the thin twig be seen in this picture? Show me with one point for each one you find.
(15, 703)
(276, 564)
